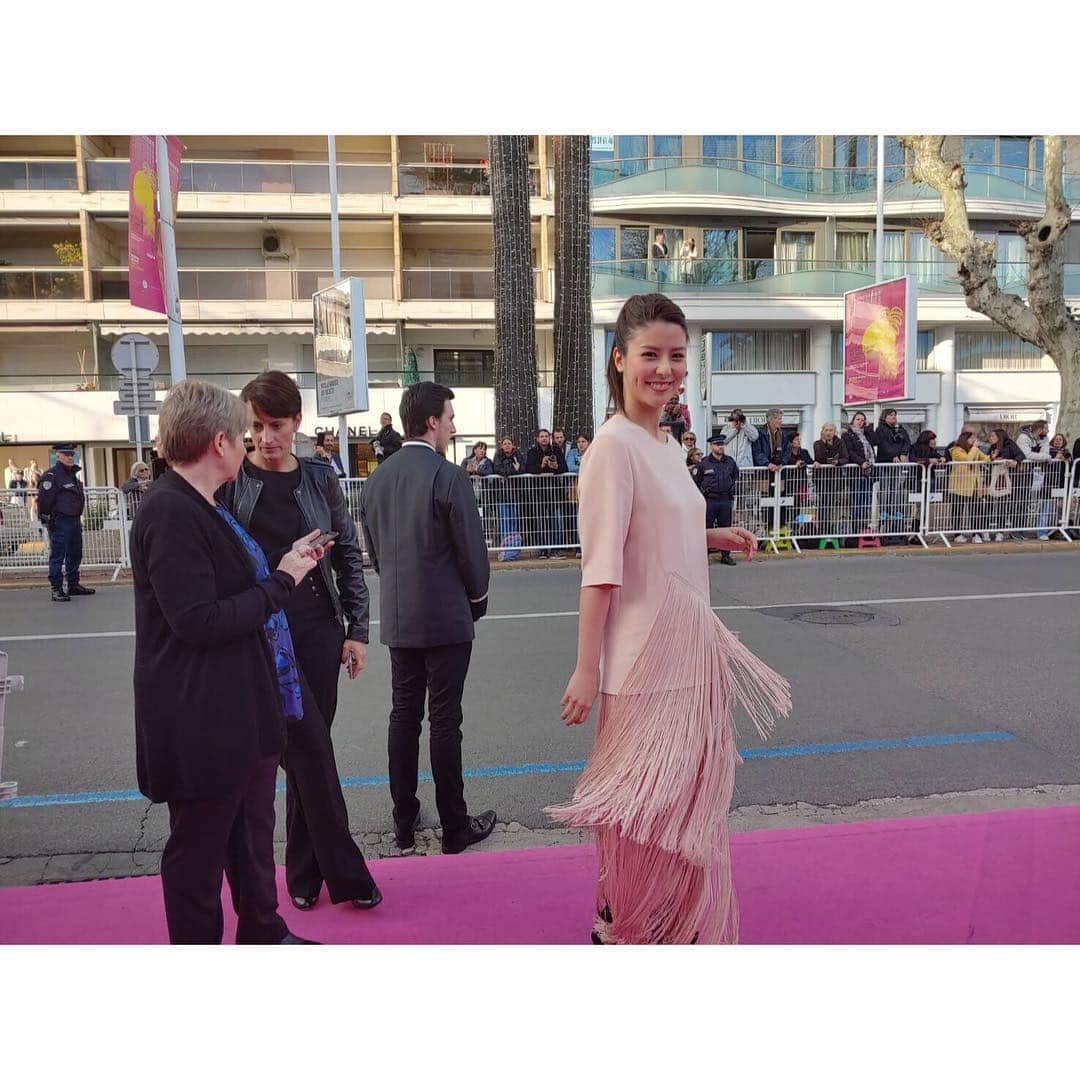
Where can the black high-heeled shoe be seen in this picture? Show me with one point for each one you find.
(373, 901)
(304, 903)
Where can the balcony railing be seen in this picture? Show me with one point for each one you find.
(25, 382)
(40, 284)
(791, 277)
(229, 284)
(431, 179)
(734, 176)
(254, 177)
(451, 284)
(38, 174)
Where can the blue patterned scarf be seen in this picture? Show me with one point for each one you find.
(276, 628)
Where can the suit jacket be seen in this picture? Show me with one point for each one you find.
(207, 706)
(426, 542)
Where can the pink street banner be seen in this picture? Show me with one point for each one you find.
(146, 267)
(880, 333)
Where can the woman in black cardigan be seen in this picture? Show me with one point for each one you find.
(214, 676)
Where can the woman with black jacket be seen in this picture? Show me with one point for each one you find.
(215, 675)
(276, 496)
(861, 453)
(1005, 457)
(830, 477)
(796, 481)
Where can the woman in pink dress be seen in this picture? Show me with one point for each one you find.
(657, 788)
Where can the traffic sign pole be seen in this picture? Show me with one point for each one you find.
(138, 426)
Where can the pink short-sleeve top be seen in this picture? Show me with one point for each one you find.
(641, 519)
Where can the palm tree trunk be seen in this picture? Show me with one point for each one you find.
(515, 319)
(573, 289)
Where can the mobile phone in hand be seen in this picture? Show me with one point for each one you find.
(325, 539)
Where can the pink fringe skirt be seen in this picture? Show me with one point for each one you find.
(658, 785)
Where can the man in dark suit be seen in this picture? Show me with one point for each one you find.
(426, 542)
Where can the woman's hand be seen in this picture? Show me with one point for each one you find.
(578, 698)
(354, 657)
(306, 545)
(733, 539)
(298, 563)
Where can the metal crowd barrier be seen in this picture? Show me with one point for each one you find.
(24, 541)
(984, 502)
(958, 502)
(848, 503)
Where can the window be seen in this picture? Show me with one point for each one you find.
(978, 154)
(720, 256)
(666, 151)
(760, 351)
(796, 251)
(759, 148)
(720, 150)
(927, 263)
(798, 154)
(602, 245)
(632, 152)
(855, 158)
(465, 367)
(633, 251)
(994, 350)
(1018, 158)
(924, 345)
(854, 251)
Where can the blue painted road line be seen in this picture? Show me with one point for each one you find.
(757, 753)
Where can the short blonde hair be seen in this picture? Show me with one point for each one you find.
(192, 414)
(825, 427)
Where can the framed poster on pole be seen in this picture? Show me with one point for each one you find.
(880, 339)
(341, 360)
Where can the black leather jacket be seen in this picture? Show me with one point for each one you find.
(323, 506)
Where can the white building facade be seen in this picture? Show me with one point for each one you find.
(781, 227)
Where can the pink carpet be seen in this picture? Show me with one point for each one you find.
(1010, 877)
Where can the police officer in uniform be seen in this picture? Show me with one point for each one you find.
(716, 476)
(60, 505)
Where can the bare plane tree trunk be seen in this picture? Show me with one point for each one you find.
(515, 320)
(1044, 319)
(573, 292)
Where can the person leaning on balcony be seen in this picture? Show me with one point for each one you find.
(966, 488)
(215, 676)
(739, 439)
(660, 256)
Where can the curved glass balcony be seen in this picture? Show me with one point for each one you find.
(790, 278)
(769, 180)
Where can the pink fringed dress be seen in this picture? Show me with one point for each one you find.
(658, 785)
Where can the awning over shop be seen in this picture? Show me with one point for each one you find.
(1003, 414)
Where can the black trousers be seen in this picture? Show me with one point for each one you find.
(234, 835)
(439, 675)
(718, 512)
(318, 844)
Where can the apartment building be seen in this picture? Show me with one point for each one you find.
(781, 226)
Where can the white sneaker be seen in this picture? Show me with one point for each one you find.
(961, 539)
(1044, 536)
(986, 538)
(976, 539)
(1000, 538)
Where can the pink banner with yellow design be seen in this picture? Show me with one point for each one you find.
(146, 268)
(880, 334)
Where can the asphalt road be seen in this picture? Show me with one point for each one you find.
(939, 649)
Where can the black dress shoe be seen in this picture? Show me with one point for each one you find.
(292, 939)
(60, 596)
(405, 839)
(304, 903)
(726, 559)
(479, 828)
(80, 590)
(373, 901)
